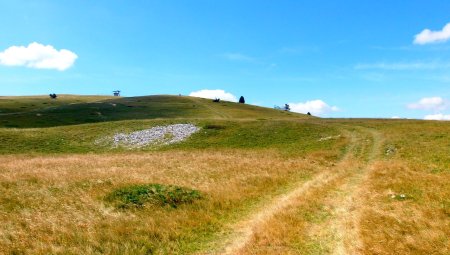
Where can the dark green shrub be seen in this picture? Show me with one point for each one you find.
(214, 126)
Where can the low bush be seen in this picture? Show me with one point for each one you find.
(214, 126)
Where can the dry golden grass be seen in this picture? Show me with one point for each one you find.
(416, 164)
(255, 201)
(376, 203)
(418, 224)
(306, 225)
(54, 204)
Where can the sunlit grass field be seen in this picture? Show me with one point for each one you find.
(252, 181)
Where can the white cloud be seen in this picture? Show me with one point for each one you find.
(39, 56)
(214, 93)
(315, 107)
(428, 36)
(395, 117)
(238, 57)
(430, 103)
(438, 116)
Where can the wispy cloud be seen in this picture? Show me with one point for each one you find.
(299, 50)
(238, 57)
(441, 78)
(393, 48)
(427, 36)
(242, 58)
(412, 48)
(374, 76)
(401, 66)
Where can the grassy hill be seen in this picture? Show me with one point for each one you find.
(253, 180)
(27, 112)
(19, 104)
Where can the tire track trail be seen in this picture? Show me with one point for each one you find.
(211, 108)
(345, 223)
(245, 229)
(340, 234)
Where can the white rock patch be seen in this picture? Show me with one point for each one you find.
(329, 138)
(156, 135)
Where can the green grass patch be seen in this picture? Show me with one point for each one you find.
(290, 137)
(136, 196)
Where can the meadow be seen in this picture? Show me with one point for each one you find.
(253, 181)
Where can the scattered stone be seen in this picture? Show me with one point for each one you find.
(329, 138)
(157, 135)
(390, 150)
(400, 197)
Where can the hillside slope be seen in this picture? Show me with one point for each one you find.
(26, 112)
(252, 180)
(20, 104)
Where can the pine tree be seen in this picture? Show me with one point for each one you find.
(241, 100)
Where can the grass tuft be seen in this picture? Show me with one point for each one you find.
(136, 196)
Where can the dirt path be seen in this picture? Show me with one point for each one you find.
(340, 234)
(245, 229)
(343, 225)
(212, 109)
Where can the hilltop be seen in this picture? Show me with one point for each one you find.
(42, 111)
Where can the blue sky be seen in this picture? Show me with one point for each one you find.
(337, 58)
